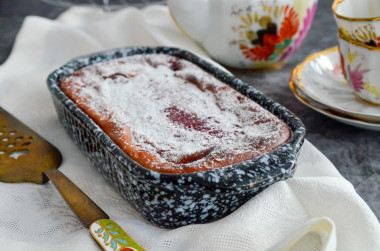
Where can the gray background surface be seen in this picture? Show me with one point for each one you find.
(355, 152)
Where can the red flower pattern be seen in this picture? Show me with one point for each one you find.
(289, 27)
(261, 52)
(307, 21)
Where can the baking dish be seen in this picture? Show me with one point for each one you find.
(174, 200)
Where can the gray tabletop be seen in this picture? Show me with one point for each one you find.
(355, 152)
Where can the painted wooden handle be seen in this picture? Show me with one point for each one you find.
(111, 237)
(108, 234)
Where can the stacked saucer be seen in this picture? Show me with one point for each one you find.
(318, 82)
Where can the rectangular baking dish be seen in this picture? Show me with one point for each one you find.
(175, 200)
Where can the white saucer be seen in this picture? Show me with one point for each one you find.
(303, 98)
(320, 77)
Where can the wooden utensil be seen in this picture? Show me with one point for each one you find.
(27, 157)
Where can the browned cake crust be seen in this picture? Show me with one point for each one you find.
(170, 116)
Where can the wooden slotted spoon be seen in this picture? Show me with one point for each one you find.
(27, 157)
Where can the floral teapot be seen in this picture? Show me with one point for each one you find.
(246, 33)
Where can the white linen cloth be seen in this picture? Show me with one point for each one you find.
(316, 210)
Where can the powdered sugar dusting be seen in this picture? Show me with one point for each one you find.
(176, 110)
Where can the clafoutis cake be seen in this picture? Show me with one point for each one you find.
(183, 141)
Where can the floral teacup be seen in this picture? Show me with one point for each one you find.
(359, 20)
(361, 67)
(246, 33)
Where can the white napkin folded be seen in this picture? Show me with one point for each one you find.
(316, 210)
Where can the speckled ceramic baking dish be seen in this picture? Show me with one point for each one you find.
(174, 200)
